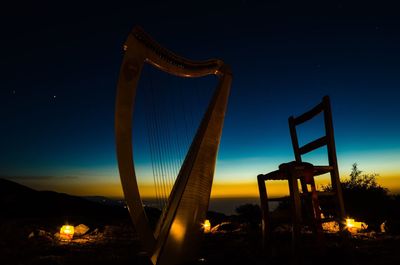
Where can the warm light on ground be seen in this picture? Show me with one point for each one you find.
(67, 232)
(353, 226)
(349, 222)
(207, 226)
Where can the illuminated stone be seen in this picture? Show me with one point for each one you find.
(66, 232)
(355, 227)
(207, 226)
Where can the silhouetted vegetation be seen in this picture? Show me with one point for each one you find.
(366, 200)
(216, 217)
(249, 214)
(152, 214)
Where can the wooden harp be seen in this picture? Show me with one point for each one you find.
(176, 238)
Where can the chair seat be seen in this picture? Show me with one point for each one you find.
(280, 174)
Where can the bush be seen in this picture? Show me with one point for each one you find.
(250, 214)
(364, 198)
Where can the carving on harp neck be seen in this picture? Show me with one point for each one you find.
(178, 232)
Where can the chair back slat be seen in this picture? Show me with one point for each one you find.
(309, 114)
(326, 140)
(320, 142)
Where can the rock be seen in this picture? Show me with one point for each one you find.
(80, 230)
(383, 227)
(41, 233)
(32, 234)
(331, 227)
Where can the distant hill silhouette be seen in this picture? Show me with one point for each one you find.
(18, 201)
(106, 201)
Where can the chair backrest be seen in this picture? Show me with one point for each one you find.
(327, 140)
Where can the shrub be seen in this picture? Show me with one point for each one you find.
(250, 214)
(364, 198)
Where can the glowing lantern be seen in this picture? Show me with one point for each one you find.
(67, 232)
(350, 223)
(354, 227)
(207, 226)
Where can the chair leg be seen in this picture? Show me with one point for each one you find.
(303, 185)
(265, 220)
(339, 204)
(307, 200)
(296, 210)
(318, 231)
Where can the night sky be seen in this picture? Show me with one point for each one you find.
(60, 64)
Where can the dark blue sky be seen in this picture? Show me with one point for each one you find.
(60, 63)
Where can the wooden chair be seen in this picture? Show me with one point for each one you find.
(296, 170)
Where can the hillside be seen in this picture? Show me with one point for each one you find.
(18, 201)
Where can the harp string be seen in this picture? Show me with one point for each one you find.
(152, 141)
(166, 149)
(159, 110)
(173, 109)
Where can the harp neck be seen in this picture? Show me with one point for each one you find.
(169, 62)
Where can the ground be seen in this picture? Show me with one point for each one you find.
(34, 242)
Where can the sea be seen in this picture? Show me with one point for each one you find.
(226, 206)
(229, 205)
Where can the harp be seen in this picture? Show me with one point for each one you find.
(176, 237)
